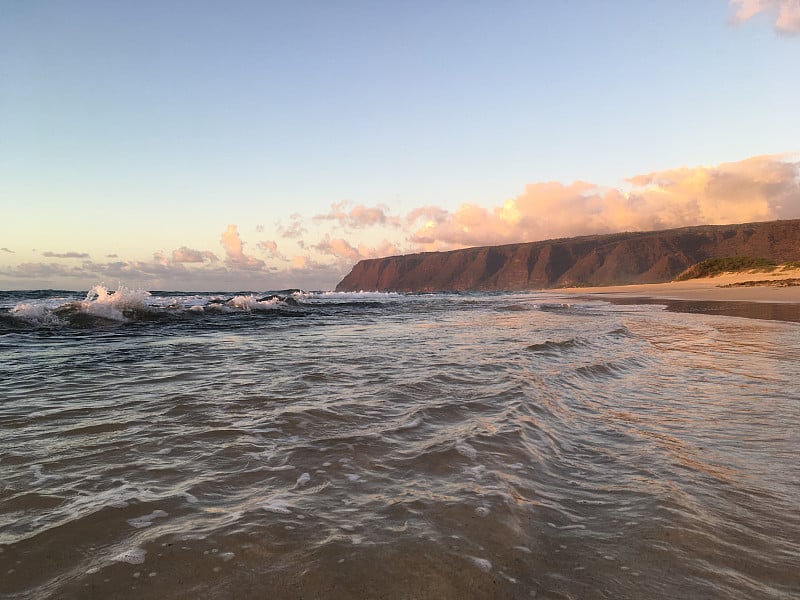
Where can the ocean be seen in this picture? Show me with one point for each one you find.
(334, 445)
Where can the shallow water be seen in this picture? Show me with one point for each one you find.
(377, 445)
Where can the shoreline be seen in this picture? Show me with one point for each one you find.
(750, 294)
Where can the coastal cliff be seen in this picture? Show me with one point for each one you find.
(614, 259)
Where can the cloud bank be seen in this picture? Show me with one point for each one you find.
(65, 254)
(761, 188)
(189, 255)
(786, 13)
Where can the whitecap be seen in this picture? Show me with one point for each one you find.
(483, 564)
(134, 556)
(101, 303)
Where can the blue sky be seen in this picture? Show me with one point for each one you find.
(258, 145)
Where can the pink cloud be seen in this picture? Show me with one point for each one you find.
(786, 13)
(271, 248)
(345, 252)
(234, 251)
(756, 189)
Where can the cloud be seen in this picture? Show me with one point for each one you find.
(65, 255)
(7, 250)
(188, 255)
(271, 248)
(359, 216)
(345, 252)
(234, 251)
(295, 228)
(48, 271)
(786, 13)
(756, 189)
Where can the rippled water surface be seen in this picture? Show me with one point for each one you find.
(383, 446)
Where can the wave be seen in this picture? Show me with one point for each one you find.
(101, 307)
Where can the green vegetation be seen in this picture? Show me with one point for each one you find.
(795, 264)
(731, 264)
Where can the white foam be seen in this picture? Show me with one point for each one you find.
(352, 476)
(362, 295)
(189, 497)
(483, 564)
(281, 468)
(302, 480)
(37, 473)
(466, 450)
(411, 424)
(34, 313)
(250, 303)
(100, 302)
(146, 520)
(277, 504)
(135, 556)
(575, 526)
(482, 511)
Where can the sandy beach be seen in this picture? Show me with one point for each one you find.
(727, 287)
(752, 294)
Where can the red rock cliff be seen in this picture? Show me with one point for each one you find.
(621, 258)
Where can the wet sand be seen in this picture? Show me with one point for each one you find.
(751, 294)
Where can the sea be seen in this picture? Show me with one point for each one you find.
(294, 444)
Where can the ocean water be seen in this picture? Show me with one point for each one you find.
(302, 445)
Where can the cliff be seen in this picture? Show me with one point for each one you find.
(615, 259)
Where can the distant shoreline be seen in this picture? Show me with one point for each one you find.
(759, 295)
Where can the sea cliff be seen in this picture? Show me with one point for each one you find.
(613, 259)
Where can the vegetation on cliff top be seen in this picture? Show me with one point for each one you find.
(731, 264)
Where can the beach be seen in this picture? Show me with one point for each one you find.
(750, 294)
(746, 286)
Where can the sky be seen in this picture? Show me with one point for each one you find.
(264, 145)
